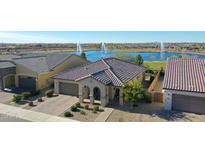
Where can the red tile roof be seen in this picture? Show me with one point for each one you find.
(108, 71)
(185, 74)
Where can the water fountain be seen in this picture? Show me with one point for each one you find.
(103, 47)
(79, 48)
(162, 49)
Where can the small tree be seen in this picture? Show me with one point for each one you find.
(139, 60)
(83, 55)
(133, 91)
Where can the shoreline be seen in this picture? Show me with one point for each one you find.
(117, 50)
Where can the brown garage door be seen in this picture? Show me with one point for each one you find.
(188, 103)
(68, 89)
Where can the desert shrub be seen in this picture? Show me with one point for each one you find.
(96, 108)
(73, 108)
(26, 95)
(49, 93)
(17, 98)
(77, 104)
(30, 103)
(40, 99)
(68, 114)
(82, 112)
(86, 107)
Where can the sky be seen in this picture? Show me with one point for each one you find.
(100, 36)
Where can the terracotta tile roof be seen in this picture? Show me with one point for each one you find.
(107, 71)
(185, 74)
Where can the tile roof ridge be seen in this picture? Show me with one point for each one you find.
(109, 69)
(28, 57)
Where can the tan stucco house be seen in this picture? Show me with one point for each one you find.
(35, 72)
(184, 85)
(100, 81)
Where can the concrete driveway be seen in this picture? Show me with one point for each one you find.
(5, 97)
(56, 105)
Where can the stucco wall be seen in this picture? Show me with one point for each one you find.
(44, 79)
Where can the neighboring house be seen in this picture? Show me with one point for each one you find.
(184, 85)
(35, 72)
(101, 80)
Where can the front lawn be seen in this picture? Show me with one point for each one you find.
(155, 65)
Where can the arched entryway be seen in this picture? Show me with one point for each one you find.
(96, 93)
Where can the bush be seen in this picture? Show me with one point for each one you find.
(73, 108)
(96, 108)
(17, 98)
(49, 93)
(30, 103)
(40, 100)
(82, 112)
(86, 107)
(77, 104)
(68, 114)
(26, 95)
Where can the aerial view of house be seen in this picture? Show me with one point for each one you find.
(103, 82)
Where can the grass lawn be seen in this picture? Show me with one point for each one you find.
(155, 65)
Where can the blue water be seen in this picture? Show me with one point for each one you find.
(147, 56)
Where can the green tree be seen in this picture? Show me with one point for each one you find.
(83, 55)
(139, 60)
(180, 56)
(133, 91)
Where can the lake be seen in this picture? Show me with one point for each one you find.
(147, 56)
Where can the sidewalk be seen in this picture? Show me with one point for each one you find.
(104, 115)
(30, 115)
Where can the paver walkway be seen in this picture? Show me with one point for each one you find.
(56, 105)
(5, 97)
(104, 115)
(30, 115)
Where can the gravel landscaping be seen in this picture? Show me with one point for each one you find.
(153, 112)
(89, 116)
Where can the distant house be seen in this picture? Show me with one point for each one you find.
(101, 80)
(34, 72)
(184, 85)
